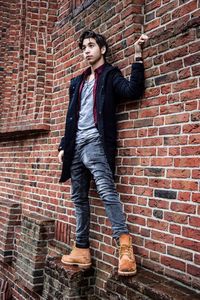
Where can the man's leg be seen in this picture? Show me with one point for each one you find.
(94, 159)
(80, 181)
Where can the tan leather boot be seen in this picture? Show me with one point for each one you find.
(78, 256)
(127, 264)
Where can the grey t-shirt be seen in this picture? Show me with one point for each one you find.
(86, 126)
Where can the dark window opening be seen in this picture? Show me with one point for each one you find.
(79, 5)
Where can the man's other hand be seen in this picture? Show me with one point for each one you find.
(60, 156)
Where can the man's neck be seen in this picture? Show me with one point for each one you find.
(97, 65)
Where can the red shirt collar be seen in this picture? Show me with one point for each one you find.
(97, 71)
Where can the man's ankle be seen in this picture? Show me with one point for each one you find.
(81, 246)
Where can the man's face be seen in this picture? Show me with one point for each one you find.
(92, 52)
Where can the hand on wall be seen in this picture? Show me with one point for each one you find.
(139, 43)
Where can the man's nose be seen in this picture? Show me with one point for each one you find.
(87, 50)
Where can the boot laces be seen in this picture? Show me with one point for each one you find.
(125, 250)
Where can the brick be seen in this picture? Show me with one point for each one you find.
(192, 105)
(151, 25)
(159, 203)
(191, 128)
(169, 130)
(187, 84)
(196, 197)
(195, 116)
(183, 173)
(176, 218)
(191, 233)
(186, 162)
(186, 208)
(184, 73)
(181, 118)
(155, 246)
(177, 140)
(197, 259)
(158, 224)
(161, 162)
(185, 185)
(163, 79)
(194, 94)
(186, 255)
(162, 237)
(159, 183)
(190, 150)
(154, 172)
(175, 229)
(194, 270)
(177, 53)
(158, 213)
(195, 70)
(184, 196)
(189, 244)
(171, 109)
(173, 263)
(192, 59)
(171, 66)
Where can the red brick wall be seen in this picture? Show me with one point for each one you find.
(158, 156)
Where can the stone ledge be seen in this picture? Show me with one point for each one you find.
(23, 130)
(146, 285)
(37, 219)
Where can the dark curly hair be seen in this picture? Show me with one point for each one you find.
(100, 39)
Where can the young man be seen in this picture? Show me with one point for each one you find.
(88, 146)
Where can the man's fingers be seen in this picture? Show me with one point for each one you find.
(143, 39)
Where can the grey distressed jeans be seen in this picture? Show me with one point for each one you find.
(89, 158)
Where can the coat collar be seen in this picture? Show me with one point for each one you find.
(97, 71)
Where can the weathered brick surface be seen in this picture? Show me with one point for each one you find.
(67, 282)
(146, 285)
(10, 219)
(158, 156)
(36, 232)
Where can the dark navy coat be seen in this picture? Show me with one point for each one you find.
(111, 88)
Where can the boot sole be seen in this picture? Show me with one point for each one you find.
(84, 266)
(127, 273)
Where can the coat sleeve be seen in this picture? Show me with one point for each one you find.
(133, 88)
(71, 90)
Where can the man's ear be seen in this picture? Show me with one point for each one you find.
(103, 50)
